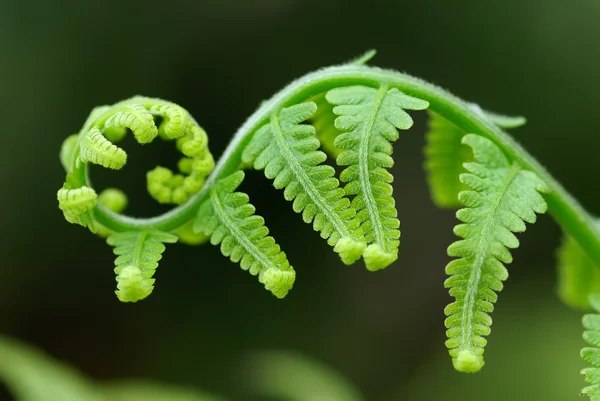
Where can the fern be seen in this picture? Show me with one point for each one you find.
(287, 151)
(229, 220)
(138, 255)
(369, 118)
(503, 197)
(353, 112)
(591, 355)
(95, 148)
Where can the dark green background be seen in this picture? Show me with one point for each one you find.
(220, 59)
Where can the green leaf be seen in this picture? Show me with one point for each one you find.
(444, 158)
(77, 205)
(503, 197)
(578, 275)
(229, 220)
(288, 152)
(135, 117)
(368, 118)
(30, 375)
(138, 255)
(138, 390)
(294, 377)
(591, 355)
(95, 148)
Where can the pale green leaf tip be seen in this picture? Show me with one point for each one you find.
(132, 286)
(349, 249)
(468, 362)
(376, 258)
(279, 282)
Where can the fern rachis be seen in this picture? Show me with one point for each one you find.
(504, 188)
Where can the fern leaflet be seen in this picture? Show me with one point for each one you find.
(288, 152)
(77, 204)
(229, 220)
(591, 355)
(138, 255)
(368, 118)
(503, 197)
(95, 148)
(578, 275)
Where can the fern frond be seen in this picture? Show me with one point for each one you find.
(95, 148)
(444, 158)
(175, 122)
(136, 118)
(77, 204)
(138, 255)
(578, 275)
(229, 220)
(591, 355)
(288, 152)
(368, 118)
(503, 197)
(168, 187)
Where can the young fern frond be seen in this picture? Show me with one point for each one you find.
(591, 355)
(288, 152)
(95, 148)
(136, 118)
(502, 198)
(77, 205)
(578, 275)
(138, 255)
(356, 111)
(368, 118)
(229, 220)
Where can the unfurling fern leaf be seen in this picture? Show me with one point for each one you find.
(368, 118)
(77, 204)
(591, 355)
(288, 152)
(95, 148)
(135, 117)
(229, 220)
(138, 255)
(578, 275)
(502, 199)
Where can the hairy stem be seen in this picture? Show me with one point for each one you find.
(563, 207)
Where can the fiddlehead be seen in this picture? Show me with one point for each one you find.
(354, 112)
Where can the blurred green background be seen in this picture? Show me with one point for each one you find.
(220, 59)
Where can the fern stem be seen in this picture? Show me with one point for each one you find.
(563, 207)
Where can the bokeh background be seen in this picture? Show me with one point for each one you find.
(219, 59)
